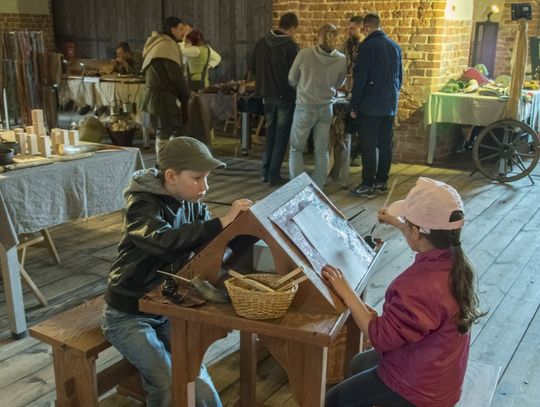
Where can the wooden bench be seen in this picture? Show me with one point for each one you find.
(77, 340)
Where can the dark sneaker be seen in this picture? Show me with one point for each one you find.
(274, 182)
(363, 191)
(380, 187)
(264, 178)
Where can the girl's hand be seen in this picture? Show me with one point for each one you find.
(335, 278)
(384, 217)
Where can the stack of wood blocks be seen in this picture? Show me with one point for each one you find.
(33, 140)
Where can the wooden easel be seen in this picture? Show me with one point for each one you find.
(299, 340)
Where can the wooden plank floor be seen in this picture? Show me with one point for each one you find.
(502, 238)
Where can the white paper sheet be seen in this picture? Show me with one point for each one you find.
(327, 242)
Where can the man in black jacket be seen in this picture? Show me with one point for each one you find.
(273, 57)
(377, 78)
(165, 223)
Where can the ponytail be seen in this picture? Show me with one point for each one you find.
(462, 285)
(462, 275)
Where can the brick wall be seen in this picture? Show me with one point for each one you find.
(507, 35)
(30, 22)
(434, 50)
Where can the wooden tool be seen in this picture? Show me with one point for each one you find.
(290, 275)
(251, 282)
(185, 280)
(292, 283)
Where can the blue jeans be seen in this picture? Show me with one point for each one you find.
(307, 118)
(278, 114)
(144, 340)
(364, 388)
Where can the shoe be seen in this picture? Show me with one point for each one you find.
(264, 179)
(274, 182)
(363, 191)
(380, 187)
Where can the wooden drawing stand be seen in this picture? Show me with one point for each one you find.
(299, 340)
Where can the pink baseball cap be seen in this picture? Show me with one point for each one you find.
(429, 205)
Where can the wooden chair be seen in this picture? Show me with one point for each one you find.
(25, 242)
(77, 340)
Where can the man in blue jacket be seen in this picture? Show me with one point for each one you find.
(377, 78)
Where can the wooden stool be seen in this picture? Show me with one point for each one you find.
(77, 340)
(25, 242)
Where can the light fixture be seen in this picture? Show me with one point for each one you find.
(493, 10)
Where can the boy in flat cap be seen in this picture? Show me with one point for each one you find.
(165, 223)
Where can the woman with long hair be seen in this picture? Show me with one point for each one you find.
(421, 339)
(200, 58)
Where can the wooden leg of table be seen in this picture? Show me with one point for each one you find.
(22, 256)
(189, 342)
(183, 388)
(50, 245)
(353, 344)
(39, 295)
(9, 264)
(75, 379)
(248, 369)
(306, 367)
(432, 142)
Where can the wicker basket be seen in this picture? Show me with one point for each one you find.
(253, 304)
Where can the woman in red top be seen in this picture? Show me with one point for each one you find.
(421, 340)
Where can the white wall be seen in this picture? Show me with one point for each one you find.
(459, 10)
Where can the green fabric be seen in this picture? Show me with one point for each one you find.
(196, 65)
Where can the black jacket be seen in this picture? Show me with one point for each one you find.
(272, 59)
(159, 231)
(377, 76)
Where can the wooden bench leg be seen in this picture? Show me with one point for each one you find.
(133, 387)
(75, 378)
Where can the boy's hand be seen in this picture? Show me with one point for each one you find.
(335, 278)
(237, 207)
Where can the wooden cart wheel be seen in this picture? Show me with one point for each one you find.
(506, 150)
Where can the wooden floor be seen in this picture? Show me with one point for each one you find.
(501, 236)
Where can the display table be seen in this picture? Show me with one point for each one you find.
(103, 91)
(470, 109)
(33, 199)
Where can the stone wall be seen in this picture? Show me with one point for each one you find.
(507, 35)
(435, 48)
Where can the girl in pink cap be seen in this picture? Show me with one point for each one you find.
(421, 339)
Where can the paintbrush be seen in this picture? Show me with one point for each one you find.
(390, 192)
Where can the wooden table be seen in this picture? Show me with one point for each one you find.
(33, 199)
(299, 341)
(471, 109)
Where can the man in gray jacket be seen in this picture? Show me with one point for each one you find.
(316, 73)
